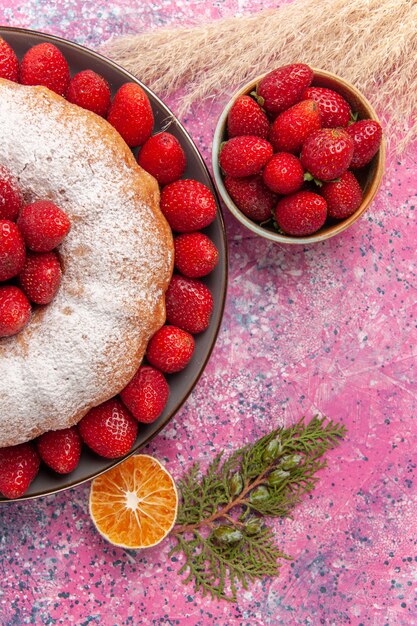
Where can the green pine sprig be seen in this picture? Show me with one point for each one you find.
(220, 524)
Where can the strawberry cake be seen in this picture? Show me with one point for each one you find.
(117, 259)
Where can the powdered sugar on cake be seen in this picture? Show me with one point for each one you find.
(117, 260)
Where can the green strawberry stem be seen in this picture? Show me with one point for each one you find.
(309, 177)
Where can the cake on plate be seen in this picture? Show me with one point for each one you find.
(85, 346)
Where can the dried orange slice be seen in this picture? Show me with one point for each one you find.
(134, 505)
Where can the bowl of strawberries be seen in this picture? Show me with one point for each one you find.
(298, 154)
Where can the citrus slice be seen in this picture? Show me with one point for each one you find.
(134, 505)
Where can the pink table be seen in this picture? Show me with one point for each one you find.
(329, 328)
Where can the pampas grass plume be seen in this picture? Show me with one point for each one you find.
(370, 43)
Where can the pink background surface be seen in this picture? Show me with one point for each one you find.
(328, 329)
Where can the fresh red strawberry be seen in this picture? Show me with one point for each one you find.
(247, 118)
(12, 250)
(334, 109)
(188, 205)
(170, 349)
(366, 136)
(283, 87)
(90, 91)
(343, 197)
(163, 157)
(9, 63)
(251, 196)
(19, 465)
(45, 65)
(195, 254)
(109, 429)
(189, 304)
(131, 114)
(244, 156)
(146, 395)
(283, 174)
(11, 197)
(41, 276)
(14, 310)
(327, 153)
(301, 214)
(43, 225)
(60, 449)
(293, 126)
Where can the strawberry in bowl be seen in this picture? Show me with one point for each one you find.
(314, 170)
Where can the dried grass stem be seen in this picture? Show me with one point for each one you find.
(371, 43)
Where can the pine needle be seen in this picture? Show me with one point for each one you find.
(220, 525)
(370, 43)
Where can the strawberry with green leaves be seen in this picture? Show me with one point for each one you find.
(283, 87)
(131, 114)
(327, 153)
(343, 196)
(301, 213)
(60, 449)
(109, 429)
(195, 254)
(19, 465)
(146, 394)
(9, 63)
(170, 349)
(284, 174)
(293, 126)
(366, 136)
(247, 118)
(334, 109)
(189, 304)
(244, 156)
(251, 196)
(15, 310)
(163, 157)
(188, 205)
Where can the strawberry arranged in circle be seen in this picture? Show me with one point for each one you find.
(293, 126)
(11, 197)
(244, 156)
(12, 250)
(170, 349)
(44, 64)
(15, 310)
(60, 449)
(327, 153)
(146, 395)
(366, 136)
(41, 276)
(283, 87)
(188, 205)
(19, 465)
(247, 118)
(131, 114)
(109, 429)
(43, 225)
(9, 63)
(284, 174)
(343, 197)
(251, 196)
(334, 109)
(89, 91)
(301, 213)
(163, 157)
(189, 304)
(195, 254)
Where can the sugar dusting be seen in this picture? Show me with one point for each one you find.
(77, 351)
